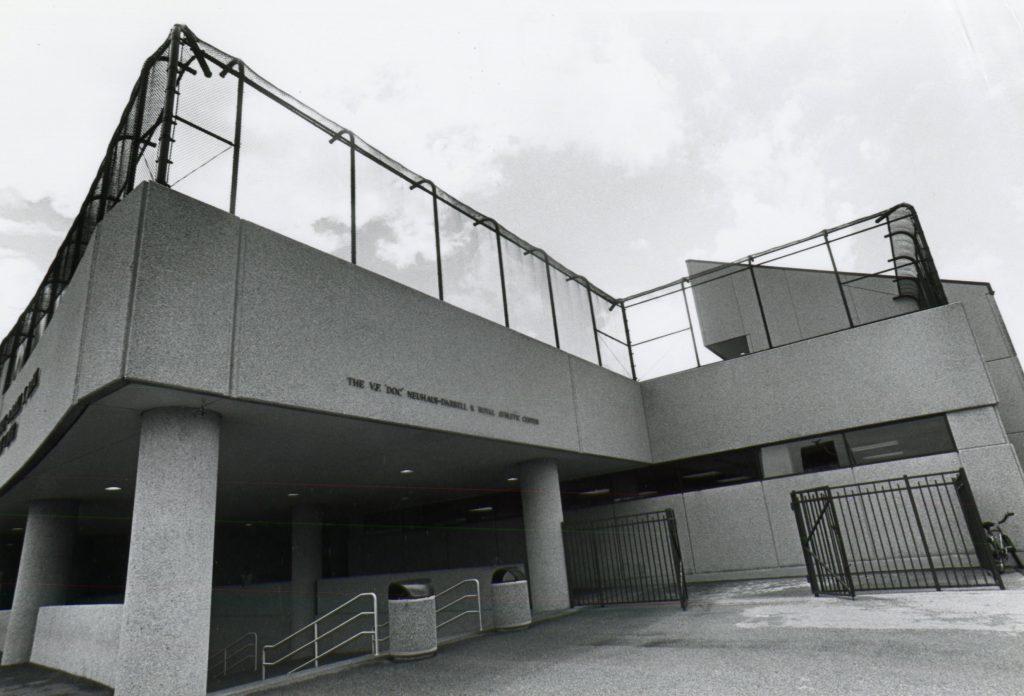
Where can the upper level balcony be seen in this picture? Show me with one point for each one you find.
(202, 122)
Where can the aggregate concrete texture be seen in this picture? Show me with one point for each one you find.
(165, 621)
(755, 637)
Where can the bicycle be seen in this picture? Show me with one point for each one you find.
(1001, 544)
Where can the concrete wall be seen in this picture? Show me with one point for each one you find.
(798, 303)
(175, 292)
(997, 351)
(914, 365)
(333, 591)
(5, 616)
(80, 640)
(56, 358)
(748, 530)
(265, 609)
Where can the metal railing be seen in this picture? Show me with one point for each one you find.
(243, 651)
(319, 635)
(468, 612)
(912, 532)
(625, 560)
(785, 294)
(201, 121)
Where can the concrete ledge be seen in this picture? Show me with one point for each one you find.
(751, 574)
(81, 640)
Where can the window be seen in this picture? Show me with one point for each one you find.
(886, 443)
(819, 456)
(919, 437)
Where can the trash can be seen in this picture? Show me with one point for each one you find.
(511, 594)
(412, 620)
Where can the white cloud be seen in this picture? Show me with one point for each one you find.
(19, 279)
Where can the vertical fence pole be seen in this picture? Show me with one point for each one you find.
(597, 566)
(551, 298)
(672, 530)
(437, 242)
(316, 644)
(352, 191)
(840, 546)
(689, 321)
(804, 541)
(238, 136)
(593, 323)
(163, 161)
(760, 305)
(920, 529)
(839, 281)
(970, 510)
(501, 273)
(629, 342)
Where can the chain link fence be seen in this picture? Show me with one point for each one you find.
(201, 121)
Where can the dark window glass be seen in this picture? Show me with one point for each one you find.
(886, 443)
(694, 474)
(819, 456)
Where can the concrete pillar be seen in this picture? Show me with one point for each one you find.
(43, 574)
(165, 622)
(542, 521)
(307, 562)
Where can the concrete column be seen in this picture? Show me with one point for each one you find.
(307, 562)
(43, 574)
(542, 520)
(165, 623)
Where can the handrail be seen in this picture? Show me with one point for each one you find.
(226, 654)
(318, 636)
(478, 611)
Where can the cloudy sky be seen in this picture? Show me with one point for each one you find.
(622, 142)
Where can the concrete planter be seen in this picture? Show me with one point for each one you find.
(511, 605)
(412, 625)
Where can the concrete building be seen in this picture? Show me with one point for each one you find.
(210, 428)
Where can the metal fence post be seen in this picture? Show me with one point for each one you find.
(551, 298)
(920, 529)
(629, 342)
(437, 242)
(760, 306)
(238, 136)
(839, 282)
(970, 509)
(689, 321)
(163, 160)
(840, 546)
(501, 273)
(352, 191)
(804, 541)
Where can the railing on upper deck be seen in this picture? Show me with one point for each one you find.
(204, 123)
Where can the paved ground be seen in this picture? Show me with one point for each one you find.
(760, 637)
(20, 680)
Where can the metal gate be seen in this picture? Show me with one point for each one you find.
(913, 532)
(622, 560)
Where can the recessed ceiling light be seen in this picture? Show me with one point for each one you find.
(405, 472)
(597, 491)
(485, 508)
(17, 529)
(512, 479)
(293, 495)
(248, 524)
(113, 489)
